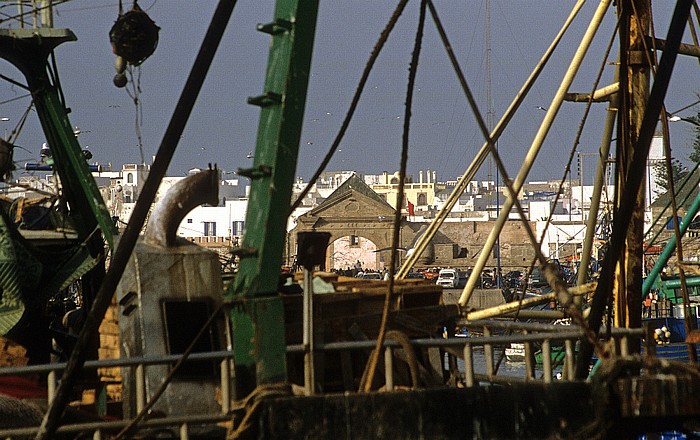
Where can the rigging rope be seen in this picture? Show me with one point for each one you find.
(120, 257)
(690, 324)
(412, 71)
(186, 354)
(135, 95)
(550, 272)
(628, 200)
(353, 104)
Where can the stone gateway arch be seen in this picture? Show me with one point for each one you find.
(354, 210)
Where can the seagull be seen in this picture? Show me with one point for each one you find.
(249, 155)
(539, 107)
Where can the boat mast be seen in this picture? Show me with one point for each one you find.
(635, 94)
(257, 316)
(489, 125)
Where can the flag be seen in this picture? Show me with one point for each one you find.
(411, 208)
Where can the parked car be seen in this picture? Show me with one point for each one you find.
(415, 275)
(513, 279)
(452, 278)
(431, 274)
(537, 279)
(371, 276)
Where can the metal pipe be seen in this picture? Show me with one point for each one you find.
(121, 255)
(51, 386)
(225, 371)
(516, 306)
(547, 360)
(140, 378)
(469, 174)
(600, 95)
(184, 432)
(468, 366)
(190, 192)
(529, 361)
(510, 307)
(670, 246)
(389, 369)
(624, 346)
(592, 221)
(569, 360)
(534, 150)
(488, 354)
(308, 336)
(634, 180)
(683, 49)
(686, 179)
(525, 315)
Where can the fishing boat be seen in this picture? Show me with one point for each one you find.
(515, 352)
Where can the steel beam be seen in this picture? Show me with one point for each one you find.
(28, 50)
(256, 318)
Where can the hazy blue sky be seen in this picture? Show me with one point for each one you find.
(444, 135)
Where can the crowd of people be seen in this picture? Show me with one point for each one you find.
(356, 270)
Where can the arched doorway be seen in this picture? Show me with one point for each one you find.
(344, 253)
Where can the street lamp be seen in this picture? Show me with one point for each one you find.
(675, 118)
(5, 120)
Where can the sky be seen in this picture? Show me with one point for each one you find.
(444, 136)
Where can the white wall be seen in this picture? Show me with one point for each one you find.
(224, 216)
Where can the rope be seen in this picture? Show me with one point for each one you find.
(355, 100)
(135, 95)
(134, 422)
(374, 358)
(251, 406)
(411, 359)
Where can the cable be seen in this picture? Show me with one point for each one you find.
(34, 10)
(374, 357)
(353, 104)
(186, 354)
(135, 96)
(567, 169)
(121, 255)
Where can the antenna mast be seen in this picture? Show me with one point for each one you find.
(489, 125)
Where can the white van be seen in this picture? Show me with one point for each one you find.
(451, 278)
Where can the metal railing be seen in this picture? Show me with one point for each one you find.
(138, 364)
(528, 334)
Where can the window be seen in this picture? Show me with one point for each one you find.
(129, 178)
(354, 240)
(209, 229)
(179, 336)
(422, 199)
(237, 228)
(189, 220)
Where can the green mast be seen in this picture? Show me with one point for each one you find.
(257, 316)
(28, 50)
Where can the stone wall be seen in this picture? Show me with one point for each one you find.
(459, 244)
